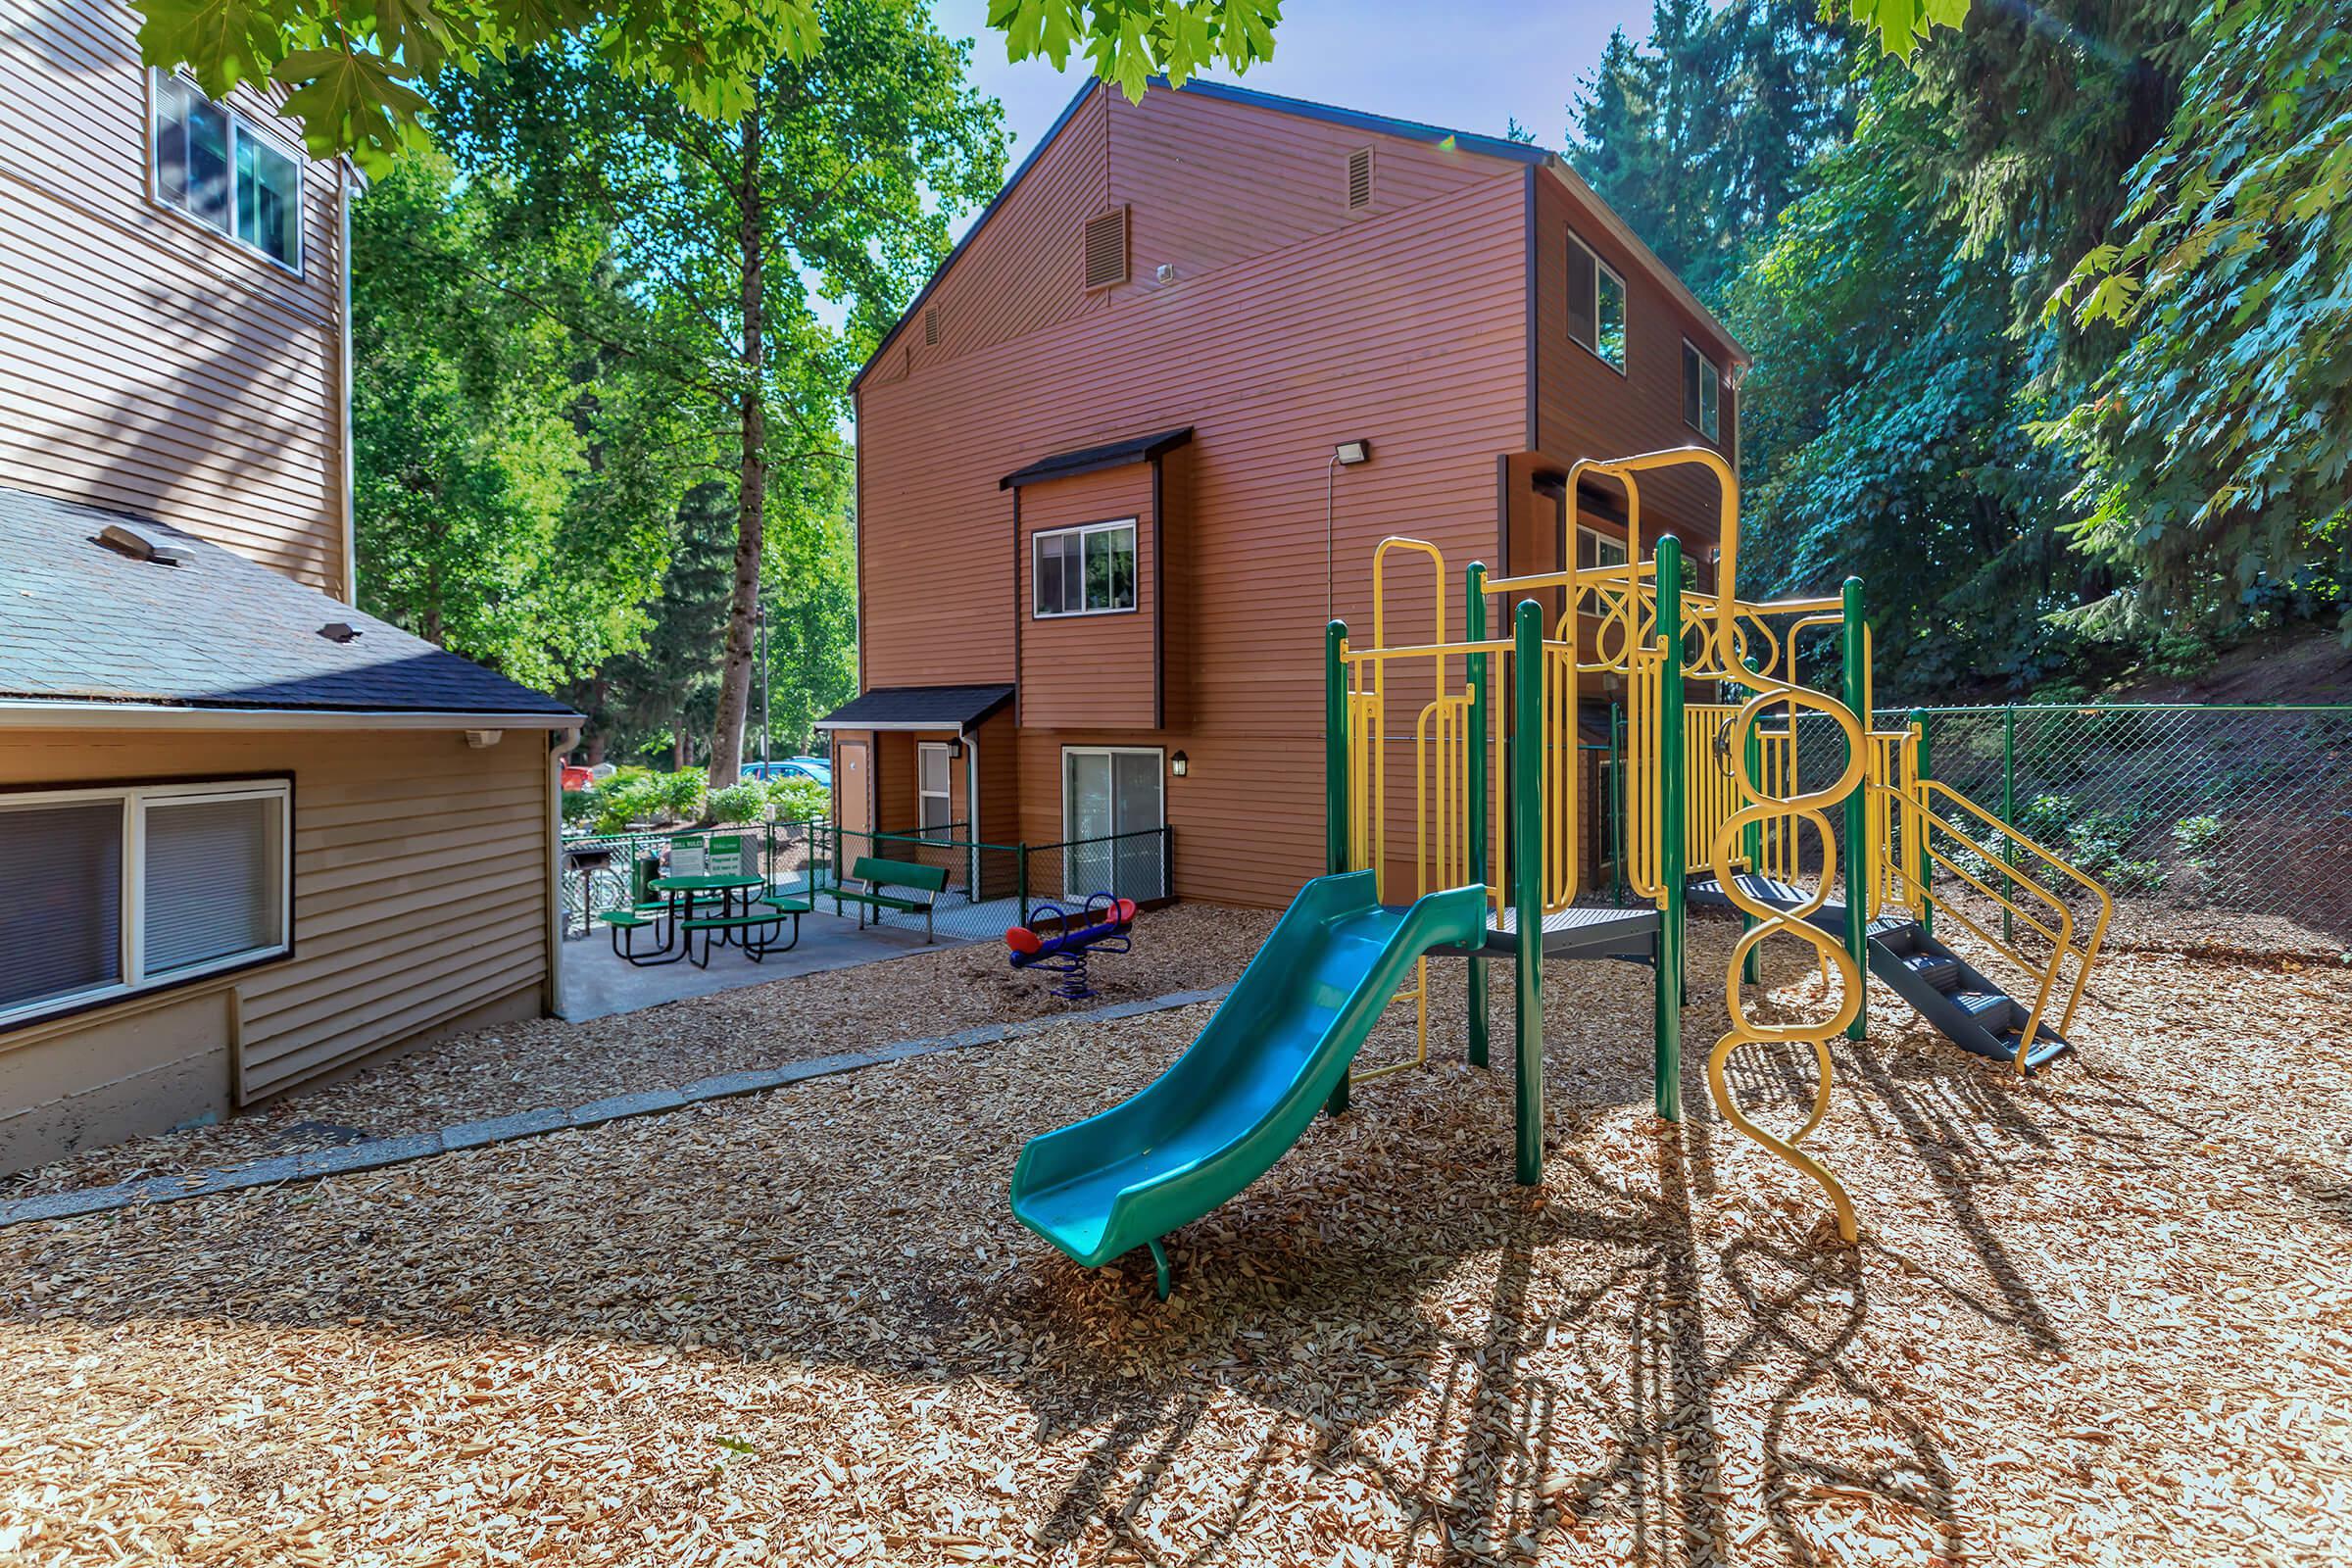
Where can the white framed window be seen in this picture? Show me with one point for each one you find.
(129, 888)
(1703, 393)
(1112, 802)
(934, 794)
(222, 170)
(1594, 549)
(1595, 305)
(1086, 570)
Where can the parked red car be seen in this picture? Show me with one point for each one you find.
(576, 777)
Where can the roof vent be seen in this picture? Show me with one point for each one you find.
(1106, 249)
(1359, 179)
(138, 546)
(930, 327)
(339, 631)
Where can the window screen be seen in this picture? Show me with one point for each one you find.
(1581, 268)
(268, 199)
(932, 790)
(1609, 303)
(1702, 388)
(213, 883)
(61, 904)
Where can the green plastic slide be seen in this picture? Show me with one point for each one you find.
(1244, 1092)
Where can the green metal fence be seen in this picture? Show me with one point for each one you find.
(989, 886)
(2210, 824)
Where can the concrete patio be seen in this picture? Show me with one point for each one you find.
(597, 982)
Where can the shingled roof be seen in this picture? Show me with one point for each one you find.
(86, 621)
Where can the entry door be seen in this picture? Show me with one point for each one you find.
(1107, 792)
(853, 797)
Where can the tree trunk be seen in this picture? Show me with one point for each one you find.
(751, 506)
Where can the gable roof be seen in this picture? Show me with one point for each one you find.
(1499, 147)
(83, 623)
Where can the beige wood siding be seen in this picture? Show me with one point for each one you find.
(1089, 669)
(146, 363)
(420, 880)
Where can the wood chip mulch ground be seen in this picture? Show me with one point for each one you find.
(524, 1066)
(2102, 1316)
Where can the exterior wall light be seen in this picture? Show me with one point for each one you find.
(1350, 452)
(1180, 764)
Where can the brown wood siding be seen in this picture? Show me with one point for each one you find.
(1098, 670)
(1404, 325)
(147, 363)
(1174, 542)
(419, 880)
(1024, 270)
(1585, 408)
(1408, 330)
(1210, 181)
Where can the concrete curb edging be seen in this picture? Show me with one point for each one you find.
(375, 1152)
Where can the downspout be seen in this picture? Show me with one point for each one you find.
(560, 743)
(971, 801)
(351, 547)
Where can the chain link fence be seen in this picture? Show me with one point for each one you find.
(989, 886)
(2210, 825)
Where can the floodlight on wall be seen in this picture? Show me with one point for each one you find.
(1346, 455)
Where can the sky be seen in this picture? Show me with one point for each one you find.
(1470, 65)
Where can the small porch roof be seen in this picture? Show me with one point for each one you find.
(956, 707)
(1087, 460)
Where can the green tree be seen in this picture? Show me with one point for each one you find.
(1884, 431)
(357, 72)
(1699, 138)
(834, 184)
(2215, 445)
(509, 495)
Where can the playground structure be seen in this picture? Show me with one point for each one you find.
(1483, 819)
(1062, 944)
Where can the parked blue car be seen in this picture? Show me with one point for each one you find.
(809, 767)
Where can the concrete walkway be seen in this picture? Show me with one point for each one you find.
(598, 982)
(375, 1152)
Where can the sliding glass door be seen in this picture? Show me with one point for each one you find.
(1111, 801)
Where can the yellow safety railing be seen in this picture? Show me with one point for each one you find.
(1931, 804)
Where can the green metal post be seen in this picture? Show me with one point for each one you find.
(1923, 869)
(2008, 814)
(1474, 672)
(1527, 881)
(1335, 749)
(1617, 804)
(1857, 812)
(1335, 782)
(1667, 1066)
(1751, 837)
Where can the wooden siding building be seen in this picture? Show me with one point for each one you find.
(254, 835)
(1139, 367)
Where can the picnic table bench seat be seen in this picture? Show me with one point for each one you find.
(927, 882)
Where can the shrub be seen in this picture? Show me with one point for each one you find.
(2198, 837)
(739, 803)
(799, 799)
(577, 804)
(627, 797)
(681, 793)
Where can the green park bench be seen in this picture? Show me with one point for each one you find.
(880, 875)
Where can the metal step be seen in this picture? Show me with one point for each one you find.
(1942, 972)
